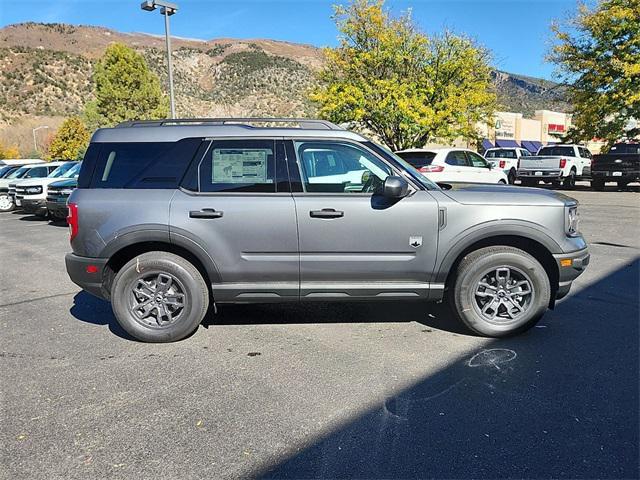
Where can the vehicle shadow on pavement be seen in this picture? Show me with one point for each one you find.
(90, 309)
(429, 314)
(558, 401)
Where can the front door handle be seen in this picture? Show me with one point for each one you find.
(205, 213)
(326, 213)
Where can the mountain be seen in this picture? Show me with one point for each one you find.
(45, 75)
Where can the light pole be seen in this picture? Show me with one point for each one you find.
(35, 141)
(167, 9)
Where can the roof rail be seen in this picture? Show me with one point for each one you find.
(302, 122)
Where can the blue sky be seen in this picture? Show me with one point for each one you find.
(516, 31)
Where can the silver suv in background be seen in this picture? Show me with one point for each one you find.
(171, 217)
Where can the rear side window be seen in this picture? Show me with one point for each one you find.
(239, 166)
(457, 158)
(417, 159)
(142, 165)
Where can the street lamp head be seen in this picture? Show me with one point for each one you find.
(168, 8)
(148, 5)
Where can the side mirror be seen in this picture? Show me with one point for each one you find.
(490, 166)
(395, 187)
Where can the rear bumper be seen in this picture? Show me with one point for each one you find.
(576, 262)
(540, 174)
(91, 282)
(608, 175)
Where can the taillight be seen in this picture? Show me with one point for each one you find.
(502, 163)
(432, 168)
(563, 162)
(72, 220)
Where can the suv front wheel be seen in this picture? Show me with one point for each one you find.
(499, 291)
(159, 297)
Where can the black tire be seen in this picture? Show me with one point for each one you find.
(185, 279)
(6, 204)
(529, 182)
(465, 288)
(502, 182)
(512, 176)
(597, 185)
(570, 181)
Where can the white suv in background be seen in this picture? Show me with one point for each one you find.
(507, 159)
(453, 165)
(31, 194)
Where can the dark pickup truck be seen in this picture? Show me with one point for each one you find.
(621, 165)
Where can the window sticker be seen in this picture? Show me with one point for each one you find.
(232, 165)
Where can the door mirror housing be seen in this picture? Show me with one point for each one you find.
(395, 187)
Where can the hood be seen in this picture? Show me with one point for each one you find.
(491, 194)
(65, 182)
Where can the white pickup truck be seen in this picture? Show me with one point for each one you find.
(555, 164)
(506, 159)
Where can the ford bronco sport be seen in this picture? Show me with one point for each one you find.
(171, 216)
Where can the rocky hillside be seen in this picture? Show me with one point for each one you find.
(45, 75)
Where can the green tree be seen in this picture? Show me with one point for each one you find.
(598, 54)
(405, 87)
(70, 141)
(125, 89)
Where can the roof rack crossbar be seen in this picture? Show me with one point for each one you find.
(302, 122)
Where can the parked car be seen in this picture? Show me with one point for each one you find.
(621, 165)
(555, 164)
(171, 216)
(19, 162)
(27, 171)
(34, 172)
(7, 169)
(453, 165)
(31, 194)
(57, 195)
(506, 159)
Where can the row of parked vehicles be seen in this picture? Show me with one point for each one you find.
(43, 188)
(37, 187)
(554, 164)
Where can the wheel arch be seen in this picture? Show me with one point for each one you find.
(538, 247)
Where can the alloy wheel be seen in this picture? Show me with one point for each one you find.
(157, 299)
(503, 295)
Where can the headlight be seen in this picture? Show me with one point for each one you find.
(66, 192)
(33, 190)
(571, 221)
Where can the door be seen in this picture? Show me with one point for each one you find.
(458, 167)
(239, 209)
(479, 170)
(354, 242)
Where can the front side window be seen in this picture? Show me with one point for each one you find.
(477, 161)
(334, 167)
(37, 172)
(457, 158)
(239, 166)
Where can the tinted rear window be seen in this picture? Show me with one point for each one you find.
(139, 165)
(503, 153)
(557, 151)
(417, 159)
(626, 148)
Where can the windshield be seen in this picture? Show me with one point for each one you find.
(557, 151)
(415, 174)
(73, 171)
(19, 173)
(5, 170)
(501, 153)
(61, 170)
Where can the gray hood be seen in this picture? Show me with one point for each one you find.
(489, 194)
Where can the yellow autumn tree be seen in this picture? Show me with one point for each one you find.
(598, 53)
(408, 88)
(9, 151)
(70, 141)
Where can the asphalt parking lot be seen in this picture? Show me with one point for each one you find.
(321, 391)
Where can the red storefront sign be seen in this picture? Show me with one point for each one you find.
(555, 128)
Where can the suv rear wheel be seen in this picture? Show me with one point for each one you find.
(159, 297)
(499, 291)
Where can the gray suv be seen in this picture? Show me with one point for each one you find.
(172, 217)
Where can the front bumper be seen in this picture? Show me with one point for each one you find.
(58, 210)
(79, 272)
(34, 206)
(570, 266)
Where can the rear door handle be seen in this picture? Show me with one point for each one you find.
(326, 213)
(205, 213)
